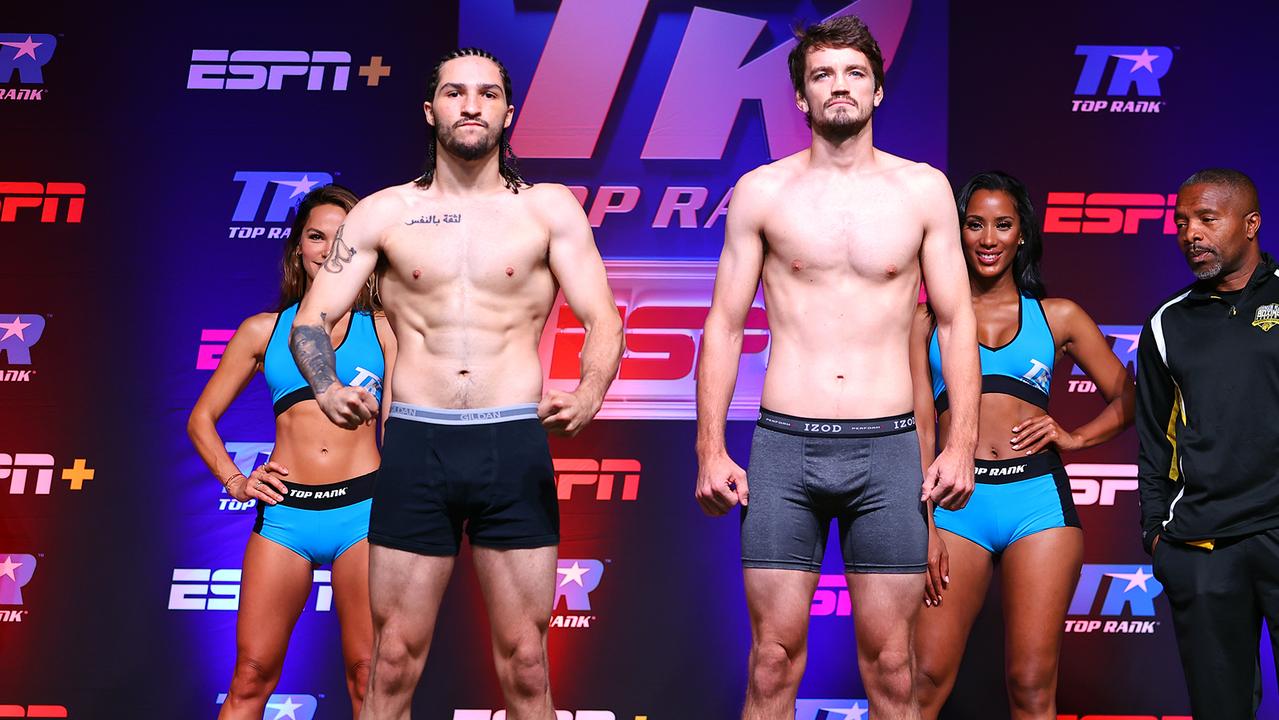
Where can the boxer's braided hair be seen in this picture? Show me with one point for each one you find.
(507, 163)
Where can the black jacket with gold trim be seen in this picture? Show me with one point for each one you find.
(1208, 412)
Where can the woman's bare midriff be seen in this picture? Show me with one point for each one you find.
(999, 414)
(317, 452)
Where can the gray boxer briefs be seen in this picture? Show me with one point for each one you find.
(866, 473)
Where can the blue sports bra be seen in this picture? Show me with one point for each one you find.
(1023, 368)
(359, 361)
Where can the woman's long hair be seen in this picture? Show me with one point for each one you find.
(507, 163)
(1026, 262)
(293, 280)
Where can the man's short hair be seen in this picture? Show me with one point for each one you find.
(842, 32)
(1230, 178)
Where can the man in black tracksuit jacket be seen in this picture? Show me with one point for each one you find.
(1208, 427)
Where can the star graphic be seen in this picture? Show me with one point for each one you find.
(27, 48)
(14, 328)
(8, 566)
(300, 187)
(1136, 579)
(1131, 338)
(856, 712)
(284, 709)
(1143, 60)
(573, 574)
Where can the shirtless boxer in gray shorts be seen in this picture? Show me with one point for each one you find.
(841, 234)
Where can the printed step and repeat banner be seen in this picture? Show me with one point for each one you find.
(152, 158)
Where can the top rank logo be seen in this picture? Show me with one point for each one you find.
(576, 580)
(285, 707)
(857, 709)
(18, 334)
(24, 54)
(267, 197)
(1131, 587)
(1123, 340)
(267, 69)
(1134, 66)
(15, 572)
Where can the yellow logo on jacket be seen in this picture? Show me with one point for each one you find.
(1267, 317)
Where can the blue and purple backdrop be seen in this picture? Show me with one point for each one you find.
(151, 157)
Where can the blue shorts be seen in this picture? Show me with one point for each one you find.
(1013, 499)
(319, 522)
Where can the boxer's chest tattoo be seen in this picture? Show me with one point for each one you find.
(441, 219)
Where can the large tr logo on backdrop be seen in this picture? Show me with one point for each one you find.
(568, 100)
(1134, 66)
(24, 54)
(663, 306)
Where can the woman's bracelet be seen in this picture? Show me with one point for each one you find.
(227, 482)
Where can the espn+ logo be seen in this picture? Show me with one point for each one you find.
(268, 69)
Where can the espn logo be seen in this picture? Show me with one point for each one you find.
(212, 345)
(559, 715)
(1100, 483)
(1107, 213)
(832, 597)
(259, 69)
(1124, 717)
(663, 305)
(206, 589)
(48, 198)
(33, 711)
(603, 474)
(16, 469)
